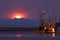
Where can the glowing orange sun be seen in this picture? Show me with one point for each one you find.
(18, 17)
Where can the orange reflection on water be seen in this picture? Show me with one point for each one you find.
(53, 35)
(18, 35)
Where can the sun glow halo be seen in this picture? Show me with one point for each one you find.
(18, 17)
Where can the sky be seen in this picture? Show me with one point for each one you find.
(28, 8)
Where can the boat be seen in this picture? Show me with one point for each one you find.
(47, 25)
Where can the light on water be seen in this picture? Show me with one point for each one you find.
(53, 35)
(28, 35)
(18, 35)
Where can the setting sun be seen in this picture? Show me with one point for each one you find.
(18, 17)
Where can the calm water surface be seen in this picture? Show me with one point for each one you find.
(27, 35)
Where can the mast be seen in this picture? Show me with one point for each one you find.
(43, 17)
(57, 18)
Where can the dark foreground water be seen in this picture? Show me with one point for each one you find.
(27, 35)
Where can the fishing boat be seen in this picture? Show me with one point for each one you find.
(47, 25)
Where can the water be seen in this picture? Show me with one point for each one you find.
(27, 35)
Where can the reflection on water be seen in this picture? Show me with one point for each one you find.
(19, 35)
(27, 35)
(53, 35)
